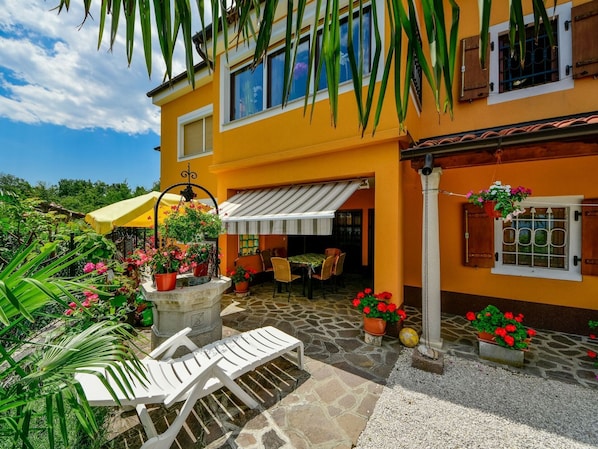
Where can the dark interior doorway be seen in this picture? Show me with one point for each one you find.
(347, 235)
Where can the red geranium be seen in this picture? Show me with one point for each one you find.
(505, 327)
(378, 306)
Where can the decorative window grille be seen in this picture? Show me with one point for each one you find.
(248, 244)
(541, 65)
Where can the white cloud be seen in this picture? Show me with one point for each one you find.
(52, 72)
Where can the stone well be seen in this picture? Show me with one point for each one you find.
(196, 306)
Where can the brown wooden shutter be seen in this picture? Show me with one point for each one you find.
(474, 79)
(589, 238)
(479, 237)
(584, 24)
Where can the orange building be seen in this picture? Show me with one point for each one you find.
(534, 125)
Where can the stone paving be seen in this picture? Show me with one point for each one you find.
(327, 405)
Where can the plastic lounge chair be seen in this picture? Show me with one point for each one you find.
(191, 376)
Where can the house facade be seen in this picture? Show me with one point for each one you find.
(534, 125)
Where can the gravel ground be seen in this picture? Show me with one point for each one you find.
(477, 406)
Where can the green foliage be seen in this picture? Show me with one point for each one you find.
(37, 384)
(192, 224)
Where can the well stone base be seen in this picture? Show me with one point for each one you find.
(197, 307)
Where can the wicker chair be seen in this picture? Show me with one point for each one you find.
(282, 274)
(326, 272)
(338, 270)
(266, 261)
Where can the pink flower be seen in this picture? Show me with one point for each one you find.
(101, 267)
(89, 267)
(68, 312)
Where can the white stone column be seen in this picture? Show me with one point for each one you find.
(430, 261)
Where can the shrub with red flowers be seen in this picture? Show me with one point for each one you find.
(378, 305)
(241, 274)
(506, 328)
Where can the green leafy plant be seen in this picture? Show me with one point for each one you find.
(192, 223)
(377, 305)
(199, 252)
(241, 274)
(506, 328)
(507, 199)
(40, 384)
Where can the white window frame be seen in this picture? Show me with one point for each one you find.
(565, 47)
(574, 242)
(190, 117)
(240, 57)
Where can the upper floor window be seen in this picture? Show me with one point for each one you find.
(247, 89)
(541, 242)
(275, 79)
(545, 69)
(539, 66)
(346, 72)
(195, 133)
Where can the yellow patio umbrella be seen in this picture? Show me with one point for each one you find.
(135, 212)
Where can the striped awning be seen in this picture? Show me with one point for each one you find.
(290, 210)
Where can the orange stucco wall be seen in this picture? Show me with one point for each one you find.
(546, 178)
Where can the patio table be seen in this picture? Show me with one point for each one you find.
(309, 262)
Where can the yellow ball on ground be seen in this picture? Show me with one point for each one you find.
(409, 337)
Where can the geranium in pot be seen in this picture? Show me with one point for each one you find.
(164, 263)
(500, 201)
(241, 277)
(377, 310)
(198, 255)
(505, 329)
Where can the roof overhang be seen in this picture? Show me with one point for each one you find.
(545, 139)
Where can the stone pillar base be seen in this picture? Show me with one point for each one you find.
(375, 340)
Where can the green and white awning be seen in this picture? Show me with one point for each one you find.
(291, 210)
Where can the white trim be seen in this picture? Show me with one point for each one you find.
(574, 243)
(565, 47)
(185, 119)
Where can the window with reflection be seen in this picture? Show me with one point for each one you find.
(276, 75)
(247, 91)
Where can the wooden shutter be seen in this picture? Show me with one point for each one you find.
(479, 237)
(474, 79)
(584, 23)
(589, 238)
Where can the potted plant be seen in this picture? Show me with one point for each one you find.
(164, 263)
(241, 277)
(377, 311)
(193, 223)
(198, 255)
(500, 201)
(501, 330)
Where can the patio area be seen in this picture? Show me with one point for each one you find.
(328, 404)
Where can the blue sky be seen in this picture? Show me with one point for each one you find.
(69, 110)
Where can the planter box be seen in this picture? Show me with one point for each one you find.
(495, 353)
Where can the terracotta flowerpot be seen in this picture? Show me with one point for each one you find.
(242, 287)
(165, 281)
(486, 336)
(201, 269)
(490, 211)
(374, 326)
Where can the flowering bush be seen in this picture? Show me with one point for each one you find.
(377, 306)
(241, 274)
(506, 328)
(170, 259)
(507, 199)
(193, 223)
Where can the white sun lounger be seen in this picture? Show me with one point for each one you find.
(192, 376)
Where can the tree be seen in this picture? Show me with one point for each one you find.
(253, 20)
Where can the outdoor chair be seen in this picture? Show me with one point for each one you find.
(326, 272)
(283, 275)
(332, 252)
(338, 270)
(266, 261)
(189, 377)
